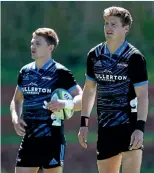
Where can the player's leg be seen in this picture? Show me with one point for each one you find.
(54, 155)
(58, 169)
(110, 165)
(26, 170)
(28, 158)
(108, 151)
(131, 161)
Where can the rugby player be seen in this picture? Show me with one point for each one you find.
(116, 71)
(43, 143)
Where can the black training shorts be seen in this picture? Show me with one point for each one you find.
(113, 140)
(44, 152)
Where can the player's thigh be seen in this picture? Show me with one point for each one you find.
(26, 170)
(54, 154)
(58, 169)
(131, 161)
(110, 165)
(29, 154)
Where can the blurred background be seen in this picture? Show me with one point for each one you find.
(79, 26)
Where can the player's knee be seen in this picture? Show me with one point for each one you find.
(58, 169)
(25, 170)
(132, 161)
(110, 165)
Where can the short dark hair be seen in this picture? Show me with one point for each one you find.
(49, 35)
(120, 12)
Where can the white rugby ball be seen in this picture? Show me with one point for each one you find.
(62, 94)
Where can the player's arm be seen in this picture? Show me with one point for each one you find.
(142, 112)
(89, 90)
(16, 111)
(88, 99)
(77, 98)
(143, 101)
(139, 78)
(16, 105)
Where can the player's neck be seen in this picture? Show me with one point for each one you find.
(41, 61)
(114, 45)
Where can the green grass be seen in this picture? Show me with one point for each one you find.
(151, 108)
(147, 170)
(5, 110)
(150, 62)
(3, 171)
(71, 137)
(9, 75)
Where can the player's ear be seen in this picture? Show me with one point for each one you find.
(51, 47)
(127, 29)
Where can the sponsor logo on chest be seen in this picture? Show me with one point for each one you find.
(33, 88)
(107, 75)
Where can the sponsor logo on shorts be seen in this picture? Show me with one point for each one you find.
(53, 162)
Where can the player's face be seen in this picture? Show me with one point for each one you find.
(39, 47)
(113, 28)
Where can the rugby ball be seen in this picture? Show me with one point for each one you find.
(62, 94)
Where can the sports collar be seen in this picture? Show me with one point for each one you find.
(118, 52)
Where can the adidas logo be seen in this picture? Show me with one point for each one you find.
(98, 63)
(53, 162)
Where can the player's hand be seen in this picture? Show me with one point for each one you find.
(19, 125)
(55, 105)
(82, 136)
(136, 140)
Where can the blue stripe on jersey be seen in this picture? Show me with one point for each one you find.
(38, 130)
(113, 118)
(45, 66)
(72, 88)
(140, 83)
(89, 78)
(118, 52)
